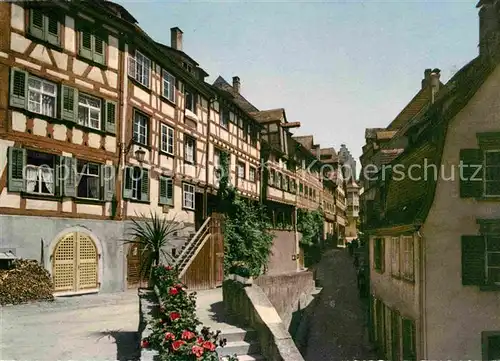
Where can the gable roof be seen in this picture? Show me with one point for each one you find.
(408, 200)
(244, 104)
(265, 116)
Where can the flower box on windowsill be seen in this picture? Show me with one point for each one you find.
(241, 279)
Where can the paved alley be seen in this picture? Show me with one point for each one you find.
(93, 327)
(338, 327)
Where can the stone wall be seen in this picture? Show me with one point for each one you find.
(251, 307)
(289, 293)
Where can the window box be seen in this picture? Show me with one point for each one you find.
(188, 196)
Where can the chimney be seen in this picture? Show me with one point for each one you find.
(176, 38)
(435, 75)
(427, 78)
(488, 26)
(236, 83)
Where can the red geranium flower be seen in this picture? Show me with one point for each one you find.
(168, 268)
(187, 335)
(175, 315)
(145, 343)
(209, 345)
(176, 345)
(200, 340)
(173, 291)
(197, 351)
(169, 336)
(179, 286)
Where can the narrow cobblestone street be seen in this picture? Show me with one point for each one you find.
(338, 328)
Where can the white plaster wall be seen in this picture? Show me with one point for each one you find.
(457, 314)
(17, 17)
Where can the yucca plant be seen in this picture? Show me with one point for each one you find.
(153, 233)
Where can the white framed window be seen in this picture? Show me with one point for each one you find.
(89, 111)
(493, 260)
(168, 86)
(141, 122)
(167, 139)
(139, 68)
(88, 180)
(188, 196)
(42, 96)
(492, 173)
(395, 256)
(407, 267)
(241, 170)
(189, 149)
(252, 171)
(224, 118)
(40, 173)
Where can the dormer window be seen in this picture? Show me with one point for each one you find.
(188, 67)
(139, 68)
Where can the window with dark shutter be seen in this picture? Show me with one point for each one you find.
(166, 191)
(44, 26)
(473, 260)
(471, 173)
(409, 341)
(18, 88)
(92, 46)
(110, 117)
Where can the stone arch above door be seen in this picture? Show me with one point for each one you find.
(75, 262)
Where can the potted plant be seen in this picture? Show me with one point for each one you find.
(240, 272)
(153, 234)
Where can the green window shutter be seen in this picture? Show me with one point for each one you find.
(37, 23)
(69, 103)
(18, 88)
(17, 163)
(98, 55)
(110, 117)
(69, 176)
(127, 182)
(52, 30)
(471, 180)
(145, 185)
(170, 191)
(473, 260)
(408, 340)
(85, 48)
(107, 182)
(163, 189)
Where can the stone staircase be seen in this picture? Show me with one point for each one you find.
(191, 247)
(242, 342)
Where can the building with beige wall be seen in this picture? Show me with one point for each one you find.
(434, 239)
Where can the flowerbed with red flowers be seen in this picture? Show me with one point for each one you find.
(175, 334)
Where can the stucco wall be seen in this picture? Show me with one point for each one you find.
(457, 314)
(396, 293)
(24, 234)
(284, 247)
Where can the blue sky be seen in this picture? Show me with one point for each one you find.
(338, 67)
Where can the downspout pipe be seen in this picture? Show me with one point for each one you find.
(211, 101)
(121, 132)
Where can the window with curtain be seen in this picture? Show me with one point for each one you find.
(42, 96)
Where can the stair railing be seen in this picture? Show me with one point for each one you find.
(205, 236)
(192, 241)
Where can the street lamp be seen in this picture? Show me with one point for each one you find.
(139, 154)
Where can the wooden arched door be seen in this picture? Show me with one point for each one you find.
(75, 264)
(137, 275)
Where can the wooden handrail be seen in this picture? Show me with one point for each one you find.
(192, 240)
(198, 250)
